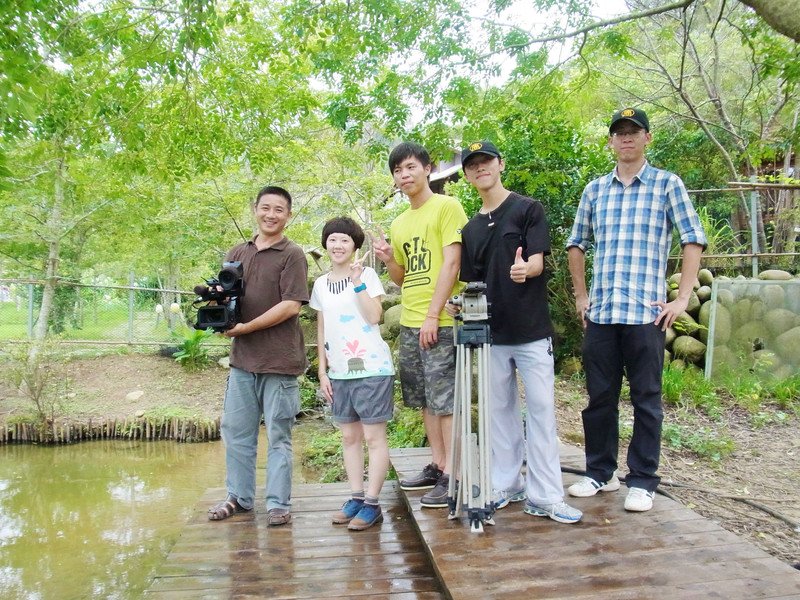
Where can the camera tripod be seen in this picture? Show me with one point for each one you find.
(469, 490)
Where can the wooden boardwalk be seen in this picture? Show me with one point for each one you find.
(242, 557)
(668, 552)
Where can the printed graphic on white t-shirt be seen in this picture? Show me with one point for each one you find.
(353, 347)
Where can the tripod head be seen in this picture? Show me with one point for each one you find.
(473, 303)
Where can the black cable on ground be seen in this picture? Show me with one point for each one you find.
(770, 511)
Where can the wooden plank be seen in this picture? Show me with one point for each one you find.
(668, 552)
(243, 557)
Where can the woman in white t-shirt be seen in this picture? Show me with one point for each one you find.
(355, 366)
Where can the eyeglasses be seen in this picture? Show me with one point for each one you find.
(626, 133)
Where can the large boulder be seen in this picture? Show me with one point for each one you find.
(788, 346)
(390, 328)
(705, 277)
(674, 282)
(774, 296)
(765, 361)
(757, 310)
(694, 304)
(775, 275)
(778, 321)
(689, 349)
(741, 312)
(390, 300)
(726, 297)
(704, 293)
(678, 364)
(670, 336)
(571, 365)
(725, 358)
(722, 323)
(751, 335)
(685, 324)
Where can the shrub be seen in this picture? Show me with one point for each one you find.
(192, 354)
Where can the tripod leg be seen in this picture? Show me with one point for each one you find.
(453, 501)
(485, 417)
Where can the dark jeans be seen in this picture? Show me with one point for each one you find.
(638, 352)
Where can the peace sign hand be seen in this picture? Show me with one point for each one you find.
(357, 267)
(382, 248)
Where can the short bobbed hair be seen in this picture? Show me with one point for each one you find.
(344, 225)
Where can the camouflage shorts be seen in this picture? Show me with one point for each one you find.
(427, 377)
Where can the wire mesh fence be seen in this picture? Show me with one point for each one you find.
(98, 314)
(754, 326)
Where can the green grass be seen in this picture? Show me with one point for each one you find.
(106, 323)
(703, 441)
(13, 322)
(688, 388)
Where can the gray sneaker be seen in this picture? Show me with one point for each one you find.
(424, 480)
(437, 497)
(559, 511)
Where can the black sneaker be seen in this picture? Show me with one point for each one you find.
(425, 480)
(437, 497)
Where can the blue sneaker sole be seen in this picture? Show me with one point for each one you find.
(538, 512)
(518, 497)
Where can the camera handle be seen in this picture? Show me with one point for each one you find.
(470, 487)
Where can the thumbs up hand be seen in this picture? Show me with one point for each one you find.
(519, 270)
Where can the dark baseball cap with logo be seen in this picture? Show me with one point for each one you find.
(474, 148)
(635, 115)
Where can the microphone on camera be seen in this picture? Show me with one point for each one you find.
(202, 291)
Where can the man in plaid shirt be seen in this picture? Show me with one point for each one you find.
(629, 214)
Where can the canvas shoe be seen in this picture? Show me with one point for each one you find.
(425, 480)
(437, 497)
(348, 511)
(501, 498)
(639, 500)
(559, 511)
(369, 515)
(589, 487)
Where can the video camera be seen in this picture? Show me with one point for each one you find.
(226, 312)
(473, 303)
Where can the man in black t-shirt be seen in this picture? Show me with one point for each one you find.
(504, 245)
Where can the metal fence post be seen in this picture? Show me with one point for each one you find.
(754, 206)
(30, 311)
(131, 298)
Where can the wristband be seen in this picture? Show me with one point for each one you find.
(360, 288)
(432, 317)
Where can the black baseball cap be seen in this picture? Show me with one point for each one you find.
(479, 148)
(635, 115)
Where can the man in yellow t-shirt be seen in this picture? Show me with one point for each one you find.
(424, 258)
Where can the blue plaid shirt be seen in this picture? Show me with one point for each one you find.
(632, 231)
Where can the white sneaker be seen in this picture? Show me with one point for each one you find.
(639, 500)
(560, 512)
(501, 498)
(589, 487)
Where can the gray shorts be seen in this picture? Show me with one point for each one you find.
(367, 399)
(427, 377)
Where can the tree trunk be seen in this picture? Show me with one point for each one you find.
(785, 214)
(52, 235)
(781, 15)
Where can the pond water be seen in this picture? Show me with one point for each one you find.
(94, 520)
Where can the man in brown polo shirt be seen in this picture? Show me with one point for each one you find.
(267, 355)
